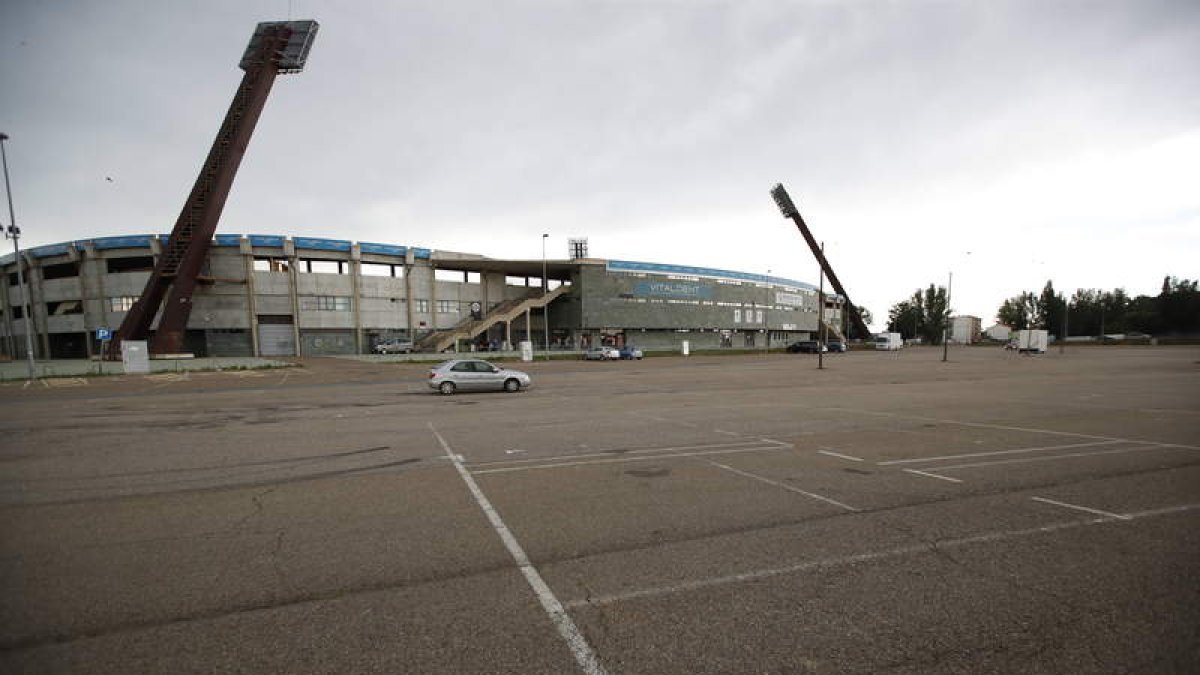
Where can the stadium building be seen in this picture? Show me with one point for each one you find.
(268, 295)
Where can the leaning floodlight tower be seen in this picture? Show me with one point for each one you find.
(789, 210)
(276, 47)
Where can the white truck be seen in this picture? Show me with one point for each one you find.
(1033, 340)
(888, 341)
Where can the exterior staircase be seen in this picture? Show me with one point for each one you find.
(469, 327)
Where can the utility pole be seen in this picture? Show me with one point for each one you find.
(15, 232)
(946, 321)
(821, 316)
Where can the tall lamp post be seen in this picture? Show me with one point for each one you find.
(767, 317)
(15, 232)
(545, 289)
(946, 321)
(821, 317)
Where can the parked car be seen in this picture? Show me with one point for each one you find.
(476, 375)
(806, 347)
(602, 354)
(394, 346)
(630, 352)
(836, 346)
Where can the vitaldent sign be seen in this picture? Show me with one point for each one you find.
(672, 289)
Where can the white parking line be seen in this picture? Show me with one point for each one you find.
(785, 486)
(843, 561)
(841, 456)
(932, 475)
(585, 656)
(1085, 509)
(1001, 427)
(639, 451)
(1050, 458)
(618, 460)
(995, 453)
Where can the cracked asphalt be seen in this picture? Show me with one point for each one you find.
(745, 514)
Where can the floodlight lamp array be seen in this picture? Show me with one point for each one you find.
(783, 201)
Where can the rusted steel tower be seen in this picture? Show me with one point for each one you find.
(789, 210)
(276, 47)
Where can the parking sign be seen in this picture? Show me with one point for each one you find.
(103, 334)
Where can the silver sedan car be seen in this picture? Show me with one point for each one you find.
(475, 375)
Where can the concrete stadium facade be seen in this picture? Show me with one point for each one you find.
(270, 295)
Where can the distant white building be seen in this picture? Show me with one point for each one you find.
(998, 332)
(965, 329)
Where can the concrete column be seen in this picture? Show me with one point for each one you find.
(247, 251)
(409, 260)
(289, 250)
(356, 293)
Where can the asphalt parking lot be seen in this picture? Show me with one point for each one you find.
(752, 514)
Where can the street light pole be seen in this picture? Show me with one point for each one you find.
(946, 321)
(15, 233)
(767, 318)
(545, 289)
(821, 316)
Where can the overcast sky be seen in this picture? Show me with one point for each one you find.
(1006, 142)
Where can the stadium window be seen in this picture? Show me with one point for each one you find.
(326, 303)
(270, 265)
(141, 263)
(318, 266)
(421, 305)
(122, 303)
(382, 270)
(60, 271)
(447, 307)
(64, 307)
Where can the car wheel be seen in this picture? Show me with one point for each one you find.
(511, 385)
(446, 388)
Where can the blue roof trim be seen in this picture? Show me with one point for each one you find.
(658, 268)
(7, 260)
(228, 240)
(422, 253)
(314, 243)
(269, 240)
(50, 249)
(132, 241)
(386, 249)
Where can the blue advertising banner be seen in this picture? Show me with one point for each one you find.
(686, 290)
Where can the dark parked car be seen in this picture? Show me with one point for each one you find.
(836, 346)
(630, 352)
(806, 347)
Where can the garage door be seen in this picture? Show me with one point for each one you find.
(276, 339)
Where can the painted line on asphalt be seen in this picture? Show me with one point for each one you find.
(1085, 509)
(1050, 458)
(844, 561)
(618, 460)
(585, 656)
(614, 453)
(785, 486)
(933, 475)
(841, 456)
(690, 425)
(999, 427)
(995, 453)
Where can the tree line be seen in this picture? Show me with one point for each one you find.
(1174, 311)
(924, 315)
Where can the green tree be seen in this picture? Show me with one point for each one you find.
(907, 317)
(937, 315)
(1052, 307)
(1020, 312)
